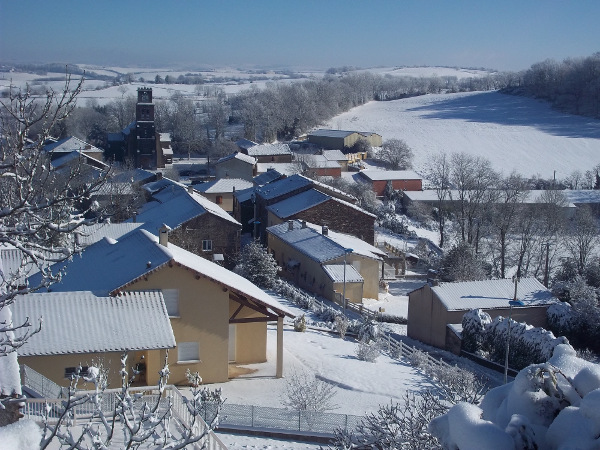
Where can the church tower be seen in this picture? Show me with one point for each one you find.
(145, 131)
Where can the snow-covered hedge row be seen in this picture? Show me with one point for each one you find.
(555, 405)
(488, 338)
(326, 314)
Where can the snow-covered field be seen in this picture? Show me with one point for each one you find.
(514, 133)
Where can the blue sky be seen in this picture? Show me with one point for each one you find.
(497, 34)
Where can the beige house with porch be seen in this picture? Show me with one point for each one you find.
(217, 316)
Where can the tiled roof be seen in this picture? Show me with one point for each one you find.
(307, 241)
(335, 272)
(381, 175)
(489, 294)
(223, 185)
(109, 266)
(357, 245)
(90, 234)
(284, 186)
(245, 144)
(267, 177)
(71, 143)
(174, 206)
(269, 149)
(80, 322)
(297, 203)
(237, 155)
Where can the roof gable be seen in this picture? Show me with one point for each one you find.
(223, 185)
(237, 156)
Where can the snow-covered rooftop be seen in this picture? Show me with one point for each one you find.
(320, 162)
(223, 185)
(582, 195)
(283, 168)
(91, 234)
(334, 155)
(489, 294)
(267, 177)
(175, 205)
(238, 156)
(381, 175)
(74, 156)
(357, 245)
(337, 133)
(71, 143)
(269, 149)
(298, 203)
(94, 324)
(110, 265)
(283, 186)
(309, 241)
(245, 144)
(336, 273)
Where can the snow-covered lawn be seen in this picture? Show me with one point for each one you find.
(514, 133)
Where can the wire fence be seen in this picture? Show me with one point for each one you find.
(263, 417)
(39, 383)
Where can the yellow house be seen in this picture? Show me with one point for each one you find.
(318, 259)
(80, 328)
(217, 316)
(431, 309)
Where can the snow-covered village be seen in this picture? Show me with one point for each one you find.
(215, 234)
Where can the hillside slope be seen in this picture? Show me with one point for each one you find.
(514, 133)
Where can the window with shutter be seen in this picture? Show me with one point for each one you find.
(188, 352)
(171, 297)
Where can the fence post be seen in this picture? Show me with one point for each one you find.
(252, 416)
(346, 425)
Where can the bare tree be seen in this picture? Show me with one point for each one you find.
(583, 239)
(41, 208)
(438, 174)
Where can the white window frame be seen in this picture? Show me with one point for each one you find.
(171, 297)
(188, 352)
(207, 245)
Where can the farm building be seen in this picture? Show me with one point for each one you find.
(339, 140)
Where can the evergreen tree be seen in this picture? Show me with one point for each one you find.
(257, 265)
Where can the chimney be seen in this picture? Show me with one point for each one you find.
(190, 189)
(163, 235)
(134, 217)
(158, 176)
(304, 224)
(325, 230)
(290, 225)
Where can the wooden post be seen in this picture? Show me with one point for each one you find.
(279, 373)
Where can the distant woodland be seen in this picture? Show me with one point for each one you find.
(286, 110)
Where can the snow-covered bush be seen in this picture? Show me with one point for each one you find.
(474, 323)
(300, 324)
(308, 392)
(368, 331)
(341, 324)
(368, 350)
(554, 405)
(488, 338)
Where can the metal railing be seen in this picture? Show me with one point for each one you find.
(39, 383)
(249, 416)
(36, 408)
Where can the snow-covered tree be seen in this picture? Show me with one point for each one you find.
(40, 208)
(257, 265)
(554, 405)
(397, 154)
(461, 263)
